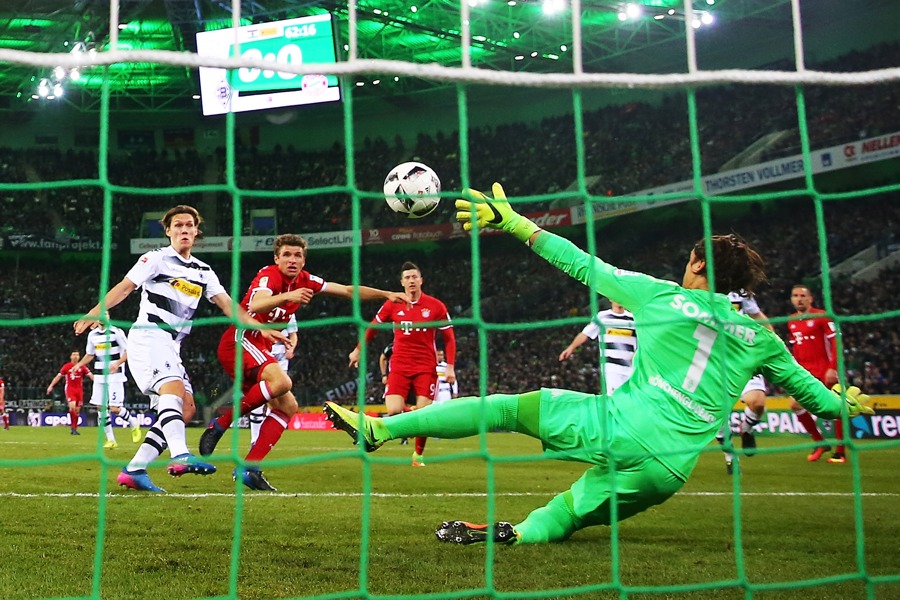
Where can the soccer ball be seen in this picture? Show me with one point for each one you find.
(412, 189)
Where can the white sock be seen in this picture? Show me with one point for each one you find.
(107, 426)
(126, 415)
(748, 420)
(256, 416)
(171, 422)
(152, 446)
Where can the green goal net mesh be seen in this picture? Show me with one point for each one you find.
(322, 539)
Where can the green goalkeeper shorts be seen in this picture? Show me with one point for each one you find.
(573, 426)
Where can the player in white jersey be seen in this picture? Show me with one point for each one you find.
(283, 353)
(172, 283)
(619, 344)
(445, 390)
(105, 355)
(754, 393)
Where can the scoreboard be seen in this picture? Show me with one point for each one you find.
(294, 41)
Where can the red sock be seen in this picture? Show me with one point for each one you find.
(269, 433)
(839, 435)
(420, 445)
(6, 420)
(809, 424)
(73, 418)
(256, 397)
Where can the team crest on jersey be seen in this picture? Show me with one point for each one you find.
(810, 323)
(426, 313)
(186, 287)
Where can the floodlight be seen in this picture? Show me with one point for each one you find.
(551, 7)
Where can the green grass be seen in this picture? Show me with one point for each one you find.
(322, 534)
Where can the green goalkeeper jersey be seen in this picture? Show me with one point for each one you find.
(695, 355)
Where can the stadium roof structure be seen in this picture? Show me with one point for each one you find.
(508, 35)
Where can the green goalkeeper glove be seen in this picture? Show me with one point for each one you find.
(855, 400)
(494, 213)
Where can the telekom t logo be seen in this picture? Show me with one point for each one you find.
(406, 327)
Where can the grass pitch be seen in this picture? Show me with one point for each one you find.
(347, 525)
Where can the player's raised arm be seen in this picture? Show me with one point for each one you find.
(366, 293)
(113, 298)
(223, 301)
(495, 213)
(263, 300)
(623, 287)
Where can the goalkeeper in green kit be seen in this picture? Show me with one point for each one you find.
(695, 356)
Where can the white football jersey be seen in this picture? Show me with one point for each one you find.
(107, 346)
(744, 303)
(618, 345)
(171, 288)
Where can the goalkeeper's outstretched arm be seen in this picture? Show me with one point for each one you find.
(624, 287)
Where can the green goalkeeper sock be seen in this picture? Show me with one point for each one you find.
(554, 522)
(462, 417)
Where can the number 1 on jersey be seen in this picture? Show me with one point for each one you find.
(705, 337)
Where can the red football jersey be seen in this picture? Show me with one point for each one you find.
(270, 278)
(414, 347)
(73, 379)
(813, 342)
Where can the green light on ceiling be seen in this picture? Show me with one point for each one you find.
(217, 24)
(22, 23)
(17, 44)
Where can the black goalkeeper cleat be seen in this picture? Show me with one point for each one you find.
(210, 437)
(748, 443)
(461, 532)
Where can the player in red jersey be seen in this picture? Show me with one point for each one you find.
(814, 345)
(3, 415)
(74, 390)
(275, 294)
(414, 358)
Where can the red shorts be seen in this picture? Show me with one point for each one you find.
(422, 384)
(78, 400)
(256, 355)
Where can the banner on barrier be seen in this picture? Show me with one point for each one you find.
(85, 419)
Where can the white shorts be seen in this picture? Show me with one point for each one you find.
(614, 379)
(443, 397)
(153, 359)
(154, 397)
(115, 391)
(756, 383)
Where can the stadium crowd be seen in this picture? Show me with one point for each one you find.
(629, 147)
